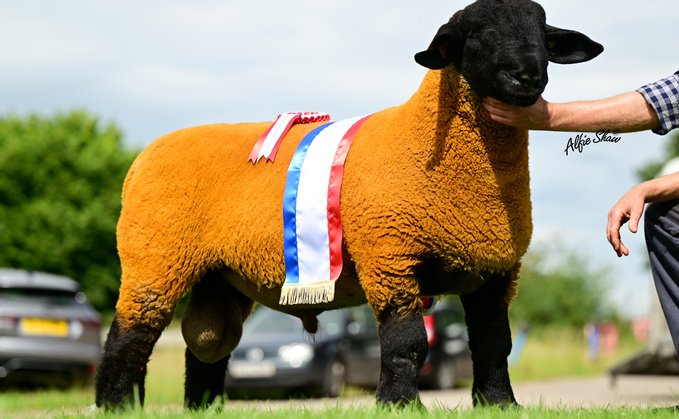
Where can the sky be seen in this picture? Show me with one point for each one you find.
(152, 67)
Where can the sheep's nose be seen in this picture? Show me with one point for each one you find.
(528, 73)
(527, 79)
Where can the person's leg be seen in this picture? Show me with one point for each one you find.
(661, 226)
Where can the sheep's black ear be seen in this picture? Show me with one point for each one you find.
(568, 47)
(444, 48)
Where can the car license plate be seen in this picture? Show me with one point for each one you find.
(246, 369)
(44, 327)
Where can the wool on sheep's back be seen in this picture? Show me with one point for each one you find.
(432, 176)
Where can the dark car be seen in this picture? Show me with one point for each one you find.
(275, 353)
(49, 333)
(449, 360)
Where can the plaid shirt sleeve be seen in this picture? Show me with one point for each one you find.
(663, 96)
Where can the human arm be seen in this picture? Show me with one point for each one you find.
(627, 112)
(631, 206)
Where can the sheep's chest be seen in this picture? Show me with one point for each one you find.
(483, 217)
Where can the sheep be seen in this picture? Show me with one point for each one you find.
(435, 200)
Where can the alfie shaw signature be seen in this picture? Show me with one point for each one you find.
(581, 140)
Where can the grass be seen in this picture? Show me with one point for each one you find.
(547, 353)
(562, 352)
(333, 412)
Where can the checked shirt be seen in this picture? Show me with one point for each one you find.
(663, 96)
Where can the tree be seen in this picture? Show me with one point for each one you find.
(652, 169)
(60, 197)
(558, 287)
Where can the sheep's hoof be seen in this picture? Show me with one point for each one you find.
(506, 405)
(404, 404)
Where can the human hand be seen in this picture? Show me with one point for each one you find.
(534, 117)
(629, 208)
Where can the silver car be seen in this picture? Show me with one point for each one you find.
(49, 333)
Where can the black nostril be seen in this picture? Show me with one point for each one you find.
(530, 80)
(526, 78)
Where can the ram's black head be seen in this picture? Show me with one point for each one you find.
(502, 47)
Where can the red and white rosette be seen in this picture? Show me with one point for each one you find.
(268, 143)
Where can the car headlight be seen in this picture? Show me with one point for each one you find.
(296, 354)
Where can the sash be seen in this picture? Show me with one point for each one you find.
(312, 221)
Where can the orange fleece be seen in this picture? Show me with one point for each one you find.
(434, 176)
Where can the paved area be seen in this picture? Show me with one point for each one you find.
(587, 392)
(640, 391)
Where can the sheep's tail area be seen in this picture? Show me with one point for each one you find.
(315, 293)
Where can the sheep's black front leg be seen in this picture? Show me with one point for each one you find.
(204, 381)
(490, 340)
(403, 342)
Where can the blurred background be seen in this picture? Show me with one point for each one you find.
(85, 86)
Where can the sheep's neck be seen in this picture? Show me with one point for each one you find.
(448, 109)
(477, 170)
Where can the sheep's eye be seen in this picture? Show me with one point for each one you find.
(551, 43)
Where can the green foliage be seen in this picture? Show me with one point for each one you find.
(558, 287)
(551, 352)
(651, 169)
(60, 186)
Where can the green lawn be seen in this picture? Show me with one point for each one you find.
(332, 412)
(547, 353)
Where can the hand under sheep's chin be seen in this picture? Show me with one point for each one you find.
(514, 93)
(523, 101)
(518, 96)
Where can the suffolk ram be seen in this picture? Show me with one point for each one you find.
(435, 200)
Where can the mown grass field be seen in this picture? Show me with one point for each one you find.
(333, 412)
(547, 353)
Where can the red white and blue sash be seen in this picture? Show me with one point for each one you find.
(313, 226)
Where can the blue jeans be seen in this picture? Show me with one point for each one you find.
(661, 228)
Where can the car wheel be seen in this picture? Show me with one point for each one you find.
(445, 375)
(334, 377)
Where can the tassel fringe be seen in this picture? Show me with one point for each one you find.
(315, 293)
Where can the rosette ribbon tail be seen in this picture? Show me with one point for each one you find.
(267, 145)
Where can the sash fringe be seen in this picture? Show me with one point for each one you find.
(314, 293)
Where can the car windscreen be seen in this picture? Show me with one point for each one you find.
(42, 296)
(266, 322)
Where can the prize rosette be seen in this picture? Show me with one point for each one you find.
(268, 143)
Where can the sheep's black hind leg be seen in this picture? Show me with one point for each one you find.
(122, 370)
(490, 340)
(204, 382)
(212, 325)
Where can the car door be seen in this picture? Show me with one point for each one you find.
(361, 347)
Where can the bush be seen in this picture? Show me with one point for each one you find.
(558, 287)
(61, 179)
(652, 169)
